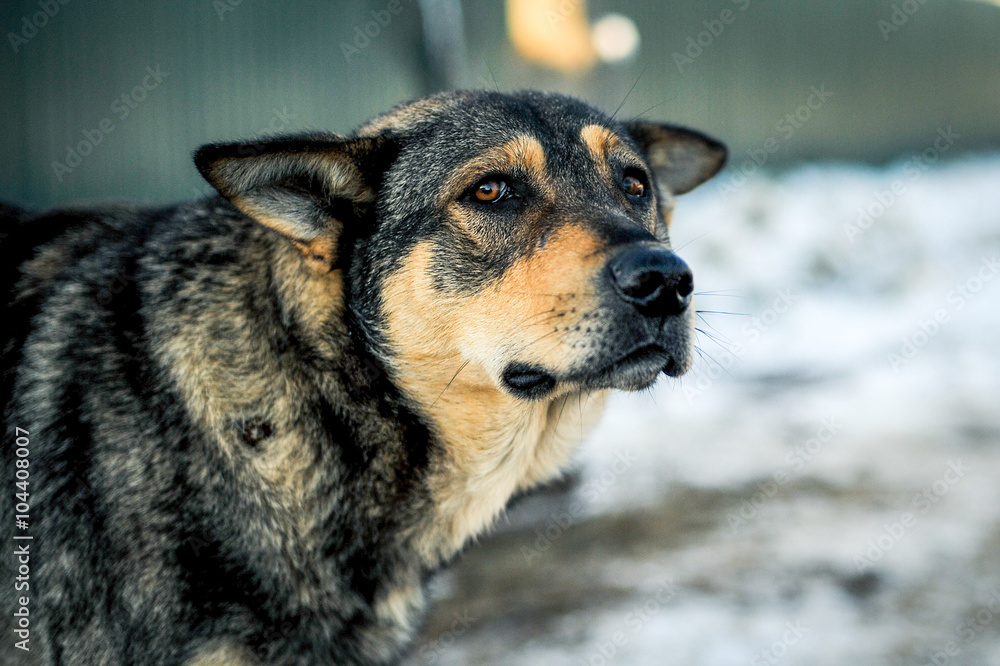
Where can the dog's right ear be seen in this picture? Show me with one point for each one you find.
(304, 187)
(682, 159)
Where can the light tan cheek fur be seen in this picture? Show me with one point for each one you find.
(223, 654)
(446, 362)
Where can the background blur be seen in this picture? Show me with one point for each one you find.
(823, 487)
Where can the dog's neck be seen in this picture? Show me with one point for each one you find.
(486, 445)
(491, 445)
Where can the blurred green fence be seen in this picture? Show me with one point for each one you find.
(106, 100)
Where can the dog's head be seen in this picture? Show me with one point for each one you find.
(525, 235)
(504, 256)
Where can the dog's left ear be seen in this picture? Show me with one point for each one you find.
(305, 187)
(682, 159)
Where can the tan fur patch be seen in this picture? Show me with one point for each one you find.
(400, 605)
(240, 376)
(320, 252)
(223, 654)
(51, 259)
(602, 144)
(527, 152)
(449, 354)
(407, 117)
(318, 297)
(283, 462)
(523, 152)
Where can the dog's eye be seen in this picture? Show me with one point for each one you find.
(490, 190)
(633, 186)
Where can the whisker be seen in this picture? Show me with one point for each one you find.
(497, 85)
(652, 396)
(562, 409)
(581, 403)
(703, 354)
(715, 330)
(716, 340)
(696, 238)
(720, 292)
(539, 339)
(629, 91)
(722, 312)
(461, 367)
(538, 317)
(654, 107)
(711, 336)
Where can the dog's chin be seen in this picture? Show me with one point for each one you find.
(635, 370)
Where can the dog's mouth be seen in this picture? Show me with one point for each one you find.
(634, 370)
(637, 369)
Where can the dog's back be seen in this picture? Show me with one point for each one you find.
(52, 264)
(24, 239)
(143, 340)
(15, 248)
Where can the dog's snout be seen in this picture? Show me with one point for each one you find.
(653, 279)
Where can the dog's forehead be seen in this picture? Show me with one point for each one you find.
(485, 110)
(446, 131)
(554, 122)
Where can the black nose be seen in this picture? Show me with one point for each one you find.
(653, 279)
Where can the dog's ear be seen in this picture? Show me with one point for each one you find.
(682, 159)
(304, 187)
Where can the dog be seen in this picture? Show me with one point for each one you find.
(255, 424)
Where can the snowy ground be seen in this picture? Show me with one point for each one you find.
(822, 489)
